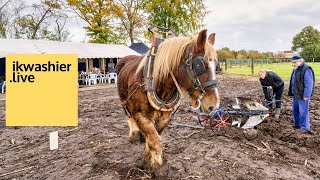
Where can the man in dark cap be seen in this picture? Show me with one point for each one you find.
(301, 88)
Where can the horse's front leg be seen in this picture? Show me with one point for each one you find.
(152, 155)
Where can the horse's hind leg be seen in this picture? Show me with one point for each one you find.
(134, 134)
(152, 155)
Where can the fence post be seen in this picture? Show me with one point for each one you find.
(226, 66)
(252, 66)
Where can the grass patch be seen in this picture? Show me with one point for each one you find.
(284, 70)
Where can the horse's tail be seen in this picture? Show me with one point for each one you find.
(124, 61)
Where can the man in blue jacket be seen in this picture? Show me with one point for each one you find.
(301, 88)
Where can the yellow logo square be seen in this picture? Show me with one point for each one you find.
(41, 90)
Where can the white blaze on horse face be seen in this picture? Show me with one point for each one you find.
(213, 72)
(212, 68)
(218, 98)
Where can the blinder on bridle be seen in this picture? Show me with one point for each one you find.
(198, 67)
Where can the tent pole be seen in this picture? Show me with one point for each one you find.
(87, 65)
(103, 66)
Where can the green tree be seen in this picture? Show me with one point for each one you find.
(225, 53)
(311, 52)
(235, 53)
(252, 54)
(242, 54)
(131, 16)
(268, 54)
(182, 16)
(308, 36)
(99, 14)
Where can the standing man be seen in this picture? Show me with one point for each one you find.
(271, 79)
(301, 88)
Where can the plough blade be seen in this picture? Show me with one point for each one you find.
(237, 122)
(234, 123)
(254, 120)
(236, 105)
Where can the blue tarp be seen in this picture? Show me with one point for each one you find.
(139, 48)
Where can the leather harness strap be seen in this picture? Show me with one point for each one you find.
(150, 87)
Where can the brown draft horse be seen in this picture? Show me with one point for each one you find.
(177, 55)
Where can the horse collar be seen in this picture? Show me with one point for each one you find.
(150, 86)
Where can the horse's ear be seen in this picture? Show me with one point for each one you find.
(212, 38)
(187, 51)
(202, 37)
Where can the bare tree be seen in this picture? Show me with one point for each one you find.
(36, 22)
(8, 9)
(4, 5)
(60, 33)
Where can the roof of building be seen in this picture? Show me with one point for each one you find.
(285, 55)
(83, 50)
(140, 48)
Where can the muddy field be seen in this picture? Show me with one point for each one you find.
(98, 148)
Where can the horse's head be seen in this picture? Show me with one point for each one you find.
(192, 61)
(197, 73)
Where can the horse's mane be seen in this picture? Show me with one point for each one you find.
(169, 56)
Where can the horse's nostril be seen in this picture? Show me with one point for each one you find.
(211, 108)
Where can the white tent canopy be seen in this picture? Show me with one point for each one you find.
(83, 50)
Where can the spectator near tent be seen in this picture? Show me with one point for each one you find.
(112, 70)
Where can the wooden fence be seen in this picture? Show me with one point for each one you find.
(229, 63)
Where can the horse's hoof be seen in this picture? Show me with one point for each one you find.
(151, 168)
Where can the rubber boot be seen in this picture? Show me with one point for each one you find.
(278, 111)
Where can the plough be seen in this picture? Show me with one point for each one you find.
(243, 109)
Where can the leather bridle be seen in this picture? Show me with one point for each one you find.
(196, 65)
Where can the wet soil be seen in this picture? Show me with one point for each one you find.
(98, 148)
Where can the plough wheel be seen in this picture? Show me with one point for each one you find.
(217, 122)
(220, 122)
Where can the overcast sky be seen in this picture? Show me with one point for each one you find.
(252, 24)
(263, 25)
